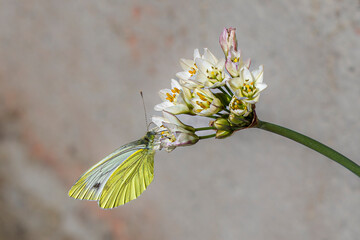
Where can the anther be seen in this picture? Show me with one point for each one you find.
(169, 97)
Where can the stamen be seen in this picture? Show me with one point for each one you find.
(169, 97)
(192, 71)
(201, 96)
(175, 90)
(202, 105)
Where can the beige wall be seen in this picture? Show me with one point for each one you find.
(70, 76)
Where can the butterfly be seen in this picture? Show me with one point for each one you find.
(121, 176)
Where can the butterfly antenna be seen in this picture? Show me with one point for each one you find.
(146, 119)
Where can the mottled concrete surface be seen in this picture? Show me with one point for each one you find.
(70, 74)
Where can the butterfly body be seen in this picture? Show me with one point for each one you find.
(121, 176)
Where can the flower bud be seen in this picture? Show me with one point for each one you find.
(220, 134)
(237, 120)
(221, 124)
(228, 39)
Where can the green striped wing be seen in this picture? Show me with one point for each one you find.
(129, 170)
(129, 180)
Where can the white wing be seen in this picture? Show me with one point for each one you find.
(91, 184)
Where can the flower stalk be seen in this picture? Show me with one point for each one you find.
(207, 136)
(204, 129)
(311, 143)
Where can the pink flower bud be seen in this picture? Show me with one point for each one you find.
(228, 40)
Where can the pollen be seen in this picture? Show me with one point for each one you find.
(170, 97)
(236, 60)
(175, 90)
(201, 105)
(192, 71)
(247, 88)
(201, 96)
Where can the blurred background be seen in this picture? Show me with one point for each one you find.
(70, 77)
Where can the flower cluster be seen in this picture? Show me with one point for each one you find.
(223, 89)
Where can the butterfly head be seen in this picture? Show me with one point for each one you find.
(150, 136)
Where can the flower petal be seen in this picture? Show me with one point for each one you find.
(203, 65)
(177, 109)
(162, 106)
(183, 75)
(235, 83)
(196, 54)
(186, 64)
(209, 56)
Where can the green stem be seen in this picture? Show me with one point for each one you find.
(207, 136)
(204, 128)
(311, 143)
(222, 90)
(214, 117)
(228, 89)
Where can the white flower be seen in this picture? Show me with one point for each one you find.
(211, 72)
(188, 77)
(205, 103)
(239, 107)
(249, 84)
(172, 133)
(189, 66)
(175, 100)
(234, 62)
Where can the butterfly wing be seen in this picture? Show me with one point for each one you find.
(129, 180)
(90, 185)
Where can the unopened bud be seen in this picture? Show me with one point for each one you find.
(221, 124)
(239, 121)
(220, 134)
(227, 40)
